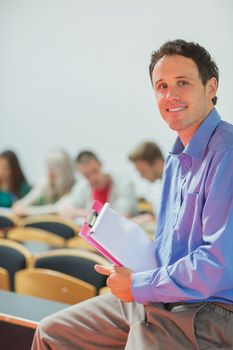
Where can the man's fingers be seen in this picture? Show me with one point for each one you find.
(103, 270)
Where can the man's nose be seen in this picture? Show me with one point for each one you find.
(172, 94)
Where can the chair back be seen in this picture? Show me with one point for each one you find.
(7, 221)
(52, 223)
(79, 264)
(52, 285)
(24, 234)
(80, 243)
(13, 257)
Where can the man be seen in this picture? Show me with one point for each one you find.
(98, 185)
(149, 162)
(186, 301)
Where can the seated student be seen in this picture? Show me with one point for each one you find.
(13, 184)
(97, 184)
(43, 198)
(149, 162)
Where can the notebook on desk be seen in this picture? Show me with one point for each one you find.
(119, 239)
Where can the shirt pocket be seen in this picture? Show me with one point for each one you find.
(189, 214)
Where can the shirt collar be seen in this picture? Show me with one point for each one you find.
(199, 142)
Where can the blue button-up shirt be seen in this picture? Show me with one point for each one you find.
(194, 238)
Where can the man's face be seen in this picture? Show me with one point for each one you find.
(182, 99)
(146, 170)
(92, 171)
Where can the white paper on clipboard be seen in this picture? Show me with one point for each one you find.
(124, 239)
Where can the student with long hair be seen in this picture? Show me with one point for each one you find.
(43, 198)
(13, 184)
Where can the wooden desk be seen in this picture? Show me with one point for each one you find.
(19, 316)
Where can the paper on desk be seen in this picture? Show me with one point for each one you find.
(124, 239)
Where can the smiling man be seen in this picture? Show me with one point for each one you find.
(183, 96)
(186, 301)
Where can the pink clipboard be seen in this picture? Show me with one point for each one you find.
(86, 230)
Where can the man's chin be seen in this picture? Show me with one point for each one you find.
(173, 124)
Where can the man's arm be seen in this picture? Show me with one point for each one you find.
(206, 272)
(203, 274)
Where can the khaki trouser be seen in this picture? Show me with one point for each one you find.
(107, 323)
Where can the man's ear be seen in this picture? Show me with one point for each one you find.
(211, 88)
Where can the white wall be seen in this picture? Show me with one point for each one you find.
(74, 73)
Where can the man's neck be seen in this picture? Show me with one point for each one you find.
(186, 134)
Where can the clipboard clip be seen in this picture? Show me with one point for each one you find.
(91, 218)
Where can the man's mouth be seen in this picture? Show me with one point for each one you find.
(176, 109)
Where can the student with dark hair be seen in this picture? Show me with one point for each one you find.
(13, 184)
(186, 301)
(97, 184)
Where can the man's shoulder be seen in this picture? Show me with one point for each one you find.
(222, 138)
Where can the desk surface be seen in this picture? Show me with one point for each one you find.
(26, 310)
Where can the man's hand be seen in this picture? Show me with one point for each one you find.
(119, 281)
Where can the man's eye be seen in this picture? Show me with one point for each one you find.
(182, 82)
(162, 86)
